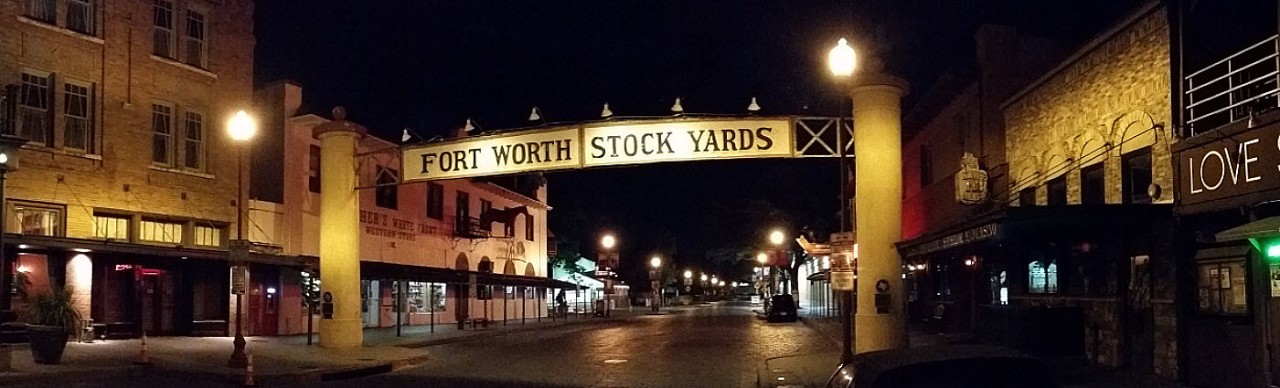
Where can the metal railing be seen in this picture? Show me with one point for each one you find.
(1240, 85)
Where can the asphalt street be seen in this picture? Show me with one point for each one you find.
(716, 345)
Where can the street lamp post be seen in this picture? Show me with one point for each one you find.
(241, 127)
(608, 243)
(9, 145)
(843, 60)
(655, 274)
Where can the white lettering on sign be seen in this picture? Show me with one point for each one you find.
(1215, 167)
(615, 143)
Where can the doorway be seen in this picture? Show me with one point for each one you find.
(369, 302)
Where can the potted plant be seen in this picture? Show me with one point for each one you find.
(51, 319)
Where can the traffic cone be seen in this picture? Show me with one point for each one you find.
(248, 371)
(143, 358)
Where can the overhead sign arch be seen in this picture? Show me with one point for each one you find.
(619, 142)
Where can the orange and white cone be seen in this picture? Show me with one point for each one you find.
(248, 371)
(143, 358)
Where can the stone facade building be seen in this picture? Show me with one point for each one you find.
(441, 252)
(126, 189)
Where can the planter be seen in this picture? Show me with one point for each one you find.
(47, 343)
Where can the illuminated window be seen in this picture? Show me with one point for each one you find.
(37, 220)
(160, 231)
(1222, 288)
(111, 226)
(1042, 277)
(206, 235)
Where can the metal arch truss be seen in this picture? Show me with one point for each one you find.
(821, 137)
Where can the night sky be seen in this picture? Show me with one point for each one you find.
(430, 65)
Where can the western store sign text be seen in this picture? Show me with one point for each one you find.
(1244, 163)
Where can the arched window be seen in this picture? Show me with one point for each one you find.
(1042, 277)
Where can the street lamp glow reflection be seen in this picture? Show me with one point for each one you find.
(655, 262)
(241, 127)
(704, 277)
(762, 258)
(842, 59)
(777, 237)
(608, 241)
(4, 158)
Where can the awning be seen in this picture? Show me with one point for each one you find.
(176, 252)
(1265, 227)
(389, 271)
(820, 276)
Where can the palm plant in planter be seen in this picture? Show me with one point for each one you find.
(51, 319)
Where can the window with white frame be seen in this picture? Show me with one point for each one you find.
(194, 149)
(80, 16)
(195, 41)
(162, 28)
(111, 226)
(161, 134)
(43, 10)
(76, 112)
(207, 235)
(34, 121)
(160, 231)
(37, 219)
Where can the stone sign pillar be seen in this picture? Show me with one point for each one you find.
(340, 231)
(880, 322)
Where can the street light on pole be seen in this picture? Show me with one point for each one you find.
(655, 275)
(610, 262)
(241, 128)
(842, 60)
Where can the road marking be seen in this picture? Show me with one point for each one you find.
(615, 361)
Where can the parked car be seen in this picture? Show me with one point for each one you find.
(781, 308)
(943, 366)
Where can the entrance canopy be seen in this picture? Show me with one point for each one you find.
(625, 142)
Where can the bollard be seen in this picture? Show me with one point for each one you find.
(248, 371)
(143, 358)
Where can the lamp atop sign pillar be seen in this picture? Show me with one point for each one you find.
(606, 112)
(535, 115)
(753, 107)
(677, 108)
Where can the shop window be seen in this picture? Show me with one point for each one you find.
(1137, 176)
(1042, 277)
(1093, 189)
(1222, 288)
(111, 226)
(313, 163)
(206, 235)
(510, 292)
(1027, 197)
(1057, 188)
(387, 192)
(37, 220)
(435, 201)
(941, 282)
(160, 231)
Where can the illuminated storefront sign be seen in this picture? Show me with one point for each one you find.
(595, 145)
(1230, 166)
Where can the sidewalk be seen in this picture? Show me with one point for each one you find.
(812, 370)
(283, 359)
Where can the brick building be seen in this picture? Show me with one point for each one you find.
(438, 252)
(126, 188)
(1069, 255)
